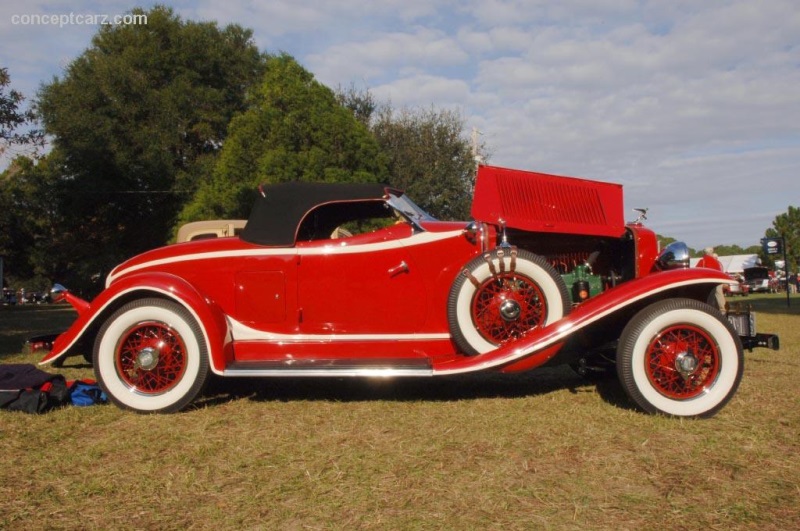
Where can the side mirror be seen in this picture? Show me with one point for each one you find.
(58, 293)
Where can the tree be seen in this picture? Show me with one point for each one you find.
(12, 118)
(787, 226)
(30, 234)
(430, 157)
(728, 250)
(137, 122)
(724, 250)
(294, 129)
(360, 102)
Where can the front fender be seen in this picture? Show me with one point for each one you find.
(208, 314)
(538, 347)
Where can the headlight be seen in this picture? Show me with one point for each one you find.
(674, 256)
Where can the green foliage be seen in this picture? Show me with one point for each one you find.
(787, 225)
(727, 250)
(12, 117)
(39, 237)
(137, 122)
(17, 219)
(720, 250)
(429, 158)
(428, 154)
(294, 129)
(360, 102)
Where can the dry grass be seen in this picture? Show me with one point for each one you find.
(543, 450)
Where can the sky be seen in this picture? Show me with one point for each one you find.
(694, 106)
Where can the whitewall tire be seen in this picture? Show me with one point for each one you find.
(150, 356)
(501, 296)
(680, 357)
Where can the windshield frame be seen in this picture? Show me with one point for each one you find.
(404, 206)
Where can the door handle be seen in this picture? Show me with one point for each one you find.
(402, 267)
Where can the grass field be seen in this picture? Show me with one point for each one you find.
(543, 450)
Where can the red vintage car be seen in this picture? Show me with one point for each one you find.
(355, 280)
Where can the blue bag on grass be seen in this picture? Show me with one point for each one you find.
(86, 393)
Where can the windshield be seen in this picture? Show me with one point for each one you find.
(409, 209)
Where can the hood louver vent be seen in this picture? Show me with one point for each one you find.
(548, 203)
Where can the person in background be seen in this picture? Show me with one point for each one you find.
(711, 261)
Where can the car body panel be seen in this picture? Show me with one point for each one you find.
(594, 310)
(539, 202)
(233, 341)
(209, 229)
(204, 310)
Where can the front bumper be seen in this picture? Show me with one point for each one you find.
(744, 321)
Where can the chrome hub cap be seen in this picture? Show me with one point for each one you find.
(510, 310)
(686, 364)
(147, 358)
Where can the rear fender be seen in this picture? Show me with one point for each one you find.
(208, 314)
(538, 347)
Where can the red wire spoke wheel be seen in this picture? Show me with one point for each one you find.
(506, 306)
(150, 356)
(680, 357)
(501, 296)
(682, 362)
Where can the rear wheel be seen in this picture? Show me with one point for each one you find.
(501, 296)
(680, 357)
(150, 356)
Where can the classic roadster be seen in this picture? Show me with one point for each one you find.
(355, 280)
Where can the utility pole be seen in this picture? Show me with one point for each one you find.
(476, 156)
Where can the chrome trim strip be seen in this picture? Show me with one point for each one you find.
(316, 373)
(242, 332)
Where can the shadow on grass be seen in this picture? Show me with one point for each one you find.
(477, 386)
(434, 389)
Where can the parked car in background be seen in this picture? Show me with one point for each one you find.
(759, 280)
(548, 272)
(9, 297)
(737, 287)
(209, 229)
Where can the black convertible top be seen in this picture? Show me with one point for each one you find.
(280, 208)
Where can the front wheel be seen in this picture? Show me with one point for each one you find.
(680, 357)
(150, 356)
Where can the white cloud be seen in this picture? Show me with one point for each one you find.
(387, 54)
(424, 88)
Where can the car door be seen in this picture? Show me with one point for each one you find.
(364, 284)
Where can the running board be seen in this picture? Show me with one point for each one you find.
(332, 367)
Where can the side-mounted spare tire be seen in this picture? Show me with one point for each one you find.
(501, 296)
